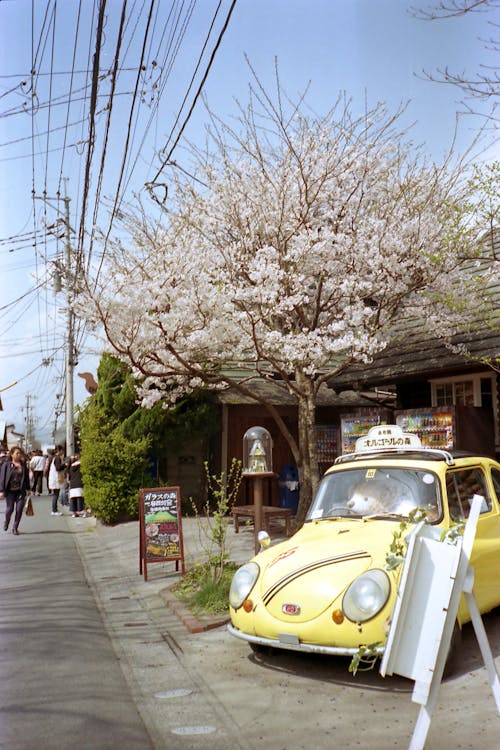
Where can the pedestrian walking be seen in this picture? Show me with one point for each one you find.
(37, 465)
(4, 453)
(76, 501)
(14, 486)
(57, 477)
(46, 468)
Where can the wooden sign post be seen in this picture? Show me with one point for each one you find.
(160, 528)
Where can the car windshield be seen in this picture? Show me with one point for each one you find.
(362, 492)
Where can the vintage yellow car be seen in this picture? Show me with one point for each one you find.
(328, 588)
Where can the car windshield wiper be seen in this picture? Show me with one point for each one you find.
(334, 515)
(384, 516)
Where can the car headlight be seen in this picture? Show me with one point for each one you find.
(242, 583)
(366, 596)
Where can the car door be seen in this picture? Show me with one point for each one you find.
(461, 485)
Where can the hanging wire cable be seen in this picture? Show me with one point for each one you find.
(70, 97)
(108, 123)
(198, 93)
(167, 66)
(92, 112)
(129, 125)
(137, 29)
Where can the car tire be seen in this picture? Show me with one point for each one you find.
(257, 648)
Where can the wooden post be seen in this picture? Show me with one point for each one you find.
(257, 501)
(257, 478)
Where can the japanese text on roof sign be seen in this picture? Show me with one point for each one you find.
(387, 442)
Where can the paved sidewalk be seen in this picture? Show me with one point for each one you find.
(123, 541)
(152, 639)
(207, 691)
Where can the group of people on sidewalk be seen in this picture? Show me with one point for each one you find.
(21, 476)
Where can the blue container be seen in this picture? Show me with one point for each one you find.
(289, 488)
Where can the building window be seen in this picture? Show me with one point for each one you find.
(456, 392)
(443, 395)
(464, 393)
(473, 390)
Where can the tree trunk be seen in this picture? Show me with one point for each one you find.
(308, 463)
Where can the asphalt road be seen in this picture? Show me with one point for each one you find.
(61, 683)
(91, 656)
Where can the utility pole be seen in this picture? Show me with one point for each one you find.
(28, 428)
(70, 318)
(70, 339)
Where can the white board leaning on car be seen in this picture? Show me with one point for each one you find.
(435, 574)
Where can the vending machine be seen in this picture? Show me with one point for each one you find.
(354, 426)
(327, 445)
(461, 428)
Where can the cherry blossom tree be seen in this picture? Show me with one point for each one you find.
(288, 251)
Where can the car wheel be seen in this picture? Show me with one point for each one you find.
(257, 648)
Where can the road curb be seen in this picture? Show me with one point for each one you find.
(189, 620)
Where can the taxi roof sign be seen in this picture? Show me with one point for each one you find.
(387, 437)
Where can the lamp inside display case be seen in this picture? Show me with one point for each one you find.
(257, 451)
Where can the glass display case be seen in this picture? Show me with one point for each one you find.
(257, 451)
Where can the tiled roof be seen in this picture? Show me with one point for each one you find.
(416, 353)
(277, 394)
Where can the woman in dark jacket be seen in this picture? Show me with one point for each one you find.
(76, 502)
(14, 485)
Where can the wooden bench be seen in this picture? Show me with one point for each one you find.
(269, 512)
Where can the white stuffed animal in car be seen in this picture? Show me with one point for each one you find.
(378, 496)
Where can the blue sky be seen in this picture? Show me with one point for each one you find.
(370, 50)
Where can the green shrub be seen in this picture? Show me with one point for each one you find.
(198, 590)
(114, 469)
(118, 437)
(113, 466)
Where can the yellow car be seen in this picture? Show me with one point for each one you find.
(328, 588)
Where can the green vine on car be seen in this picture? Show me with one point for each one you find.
(451, 535)
(366, 655)
(397, 550)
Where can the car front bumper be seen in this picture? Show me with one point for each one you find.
(292, 643)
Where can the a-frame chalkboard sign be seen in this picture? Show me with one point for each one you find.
(160, 528)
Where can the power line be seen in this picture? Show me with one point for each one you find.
(198, 94)
(57, 121)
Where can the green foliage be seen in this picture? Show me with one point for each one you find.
(212, 527)
(367, 655)
(117, 437)
(113, 472)
(195, 415)
(113, 468)
(451, 535)
(365, 658)
(205, 587)
(198, 590)
(397, 550)
(112, 375)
